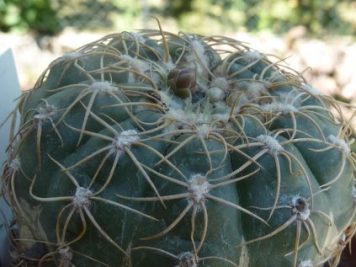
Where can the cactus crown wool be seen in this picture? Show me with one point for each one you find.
(155, 149)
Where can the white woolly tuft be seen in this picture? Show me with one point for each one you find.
(203, 130)
(176, 114)
(215, 94)
(126, 139)
(46, 112)
(279, 107)
(272, 144)
(257, 87)
(138, 64)
(305, 214)
(305, 263)
(82, 197)
(198, 187)
(169, 65)
(198, 47)
(341, 144)
(187, 259)
(188, 118)
(65, 255)
(102, 87)
(169, 101)
(220, 82)
(15, 164)
(252, 55)
(253, 89)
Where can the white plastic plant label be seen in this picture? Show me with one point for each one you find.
(10, 90)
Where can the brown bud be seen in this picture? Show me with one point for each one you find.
(182, 81)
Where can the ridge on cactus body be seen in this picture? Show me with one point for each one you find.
(155, 149)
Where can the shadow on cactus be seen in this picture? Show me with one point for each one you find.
(155, 149)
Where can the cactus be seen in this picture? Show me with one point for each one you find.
(154, 149)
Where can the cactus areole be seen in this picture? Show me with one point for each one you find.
(155, 149)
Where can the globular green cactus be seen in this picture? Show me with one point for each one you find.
(154, 149)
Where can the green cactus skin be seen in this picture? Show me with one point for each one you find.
(155, 149)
